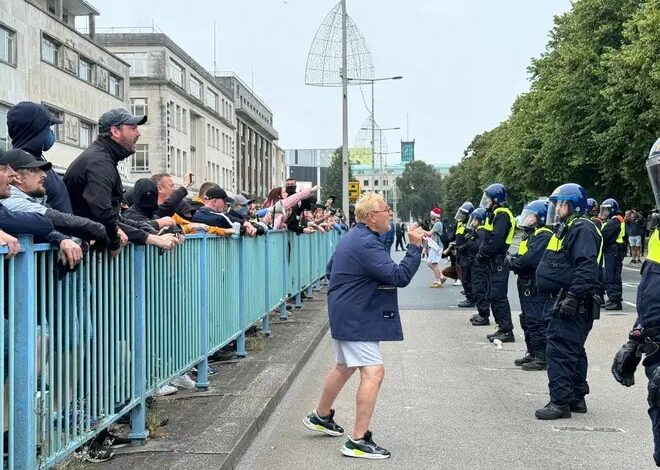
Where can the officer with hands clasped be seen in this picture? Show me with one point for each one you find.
(462, 256)
(614, 249)
(569, 273)
(533, 303)
(645, 336)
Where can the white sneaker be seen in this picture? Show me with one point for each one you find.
(165, 390)
(183, 381)
(457, 282)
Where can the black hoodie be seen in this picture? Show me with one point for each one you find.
(28, 123)
(145, 200)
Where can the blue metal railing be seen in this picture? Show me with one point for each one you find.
(85, 348)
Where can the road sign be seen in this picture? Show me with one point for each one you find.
(354, 191)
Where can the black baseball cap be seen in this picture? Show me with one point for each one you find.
(118, 116)
(216, 192)
(19, 159)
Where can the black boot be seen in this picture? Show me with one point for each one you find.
(579, 406)
(504, 336)
(480, 321)
(528, 357)
(613, 306)
(553, 411)
(466, 304)
(536, 364)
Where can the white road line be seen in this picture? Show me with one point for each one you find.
(630, 284)
(631, 269)
(629, 303)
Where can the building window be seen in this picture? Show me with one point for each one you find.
(140, 159)
(138, 63)
(85, 137)
(139, 106)
(196, 88)
(49, 50)
(184, 120)
(177, 118)
(211, 100)
(366, 182)
(7, 46)
(58, 128)
(184, 167)
(4, 135)
(85, 70)
(114, 85)
(176, 73)
(208, 134)
(177, 167)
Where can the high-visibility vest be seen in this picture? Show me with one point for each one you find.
(555, 244)
(522, 249)
(622, 230)
(654, 247)
(488, 224)
(460, 228)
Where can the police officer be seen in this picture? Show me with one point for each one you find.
(568, 272)
(462, 256)
(501, 226)
(476, 235)
(646, 332)
(533, 303)
(592, 211)
(614, 249)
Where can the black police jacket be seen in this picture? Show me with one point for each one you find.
(571, 260)
(525, 265)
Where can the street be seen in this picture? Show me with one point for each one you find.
(452, 400)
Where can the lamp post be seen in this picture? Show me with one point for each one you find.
(373, 117)
(344, 116)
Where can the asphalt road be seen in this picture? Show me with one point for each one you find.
(452, 400)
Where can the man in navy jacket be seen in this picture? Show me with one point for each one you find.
(363, 310)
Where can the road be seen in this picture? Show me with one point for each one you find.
(452, 400)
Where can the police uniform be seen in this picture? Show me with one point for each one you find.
(479, 273)
(533, 303)
(500, 225)
(567, 271)
(463, 261)
(614, 250)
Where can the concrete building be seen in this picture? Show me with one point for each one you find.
(43, 58)
(279, 166)
(255, 137)
(191, 123)
(308, 164)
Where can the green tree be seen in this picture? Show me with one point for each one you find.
(419, 190)
(333, 186)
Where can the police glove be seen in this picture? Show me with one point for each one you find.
(569, 306)
(654, 388)
(625, 363)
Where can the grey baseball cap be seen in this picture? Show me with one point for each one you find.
(241, 200)
(117, 117)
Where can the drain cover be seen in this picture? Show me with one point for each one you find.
(587, 428)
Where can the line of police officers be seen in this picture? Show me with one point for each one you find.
(571, 253)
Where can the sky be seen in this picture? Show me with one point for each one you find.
(463, 61)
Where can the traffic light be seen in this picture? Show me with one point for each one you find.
(354, 190)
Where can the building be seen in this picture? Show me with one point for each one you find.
(191, 124)
(309, 164)
(278, 175)
(43, 58)
(255, 137)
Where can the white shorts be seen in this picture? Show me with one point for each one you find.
(635, 240)
(357, 353)
(434, 257)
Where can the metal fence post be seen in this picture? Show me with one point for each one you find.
(203, 366)
(299, 286)
(240, 341)
(265, 326)
(285, 275)
(139, 413)
(24, 430)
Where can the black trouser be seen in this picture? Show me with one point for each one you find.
(498, 296)
(654, 413)
(612, 275)
(466, 279)
(567, 359)
(399, 243)
(534, 307)
(480, 287)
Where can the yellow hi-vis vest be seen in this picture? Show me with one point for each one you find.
(555, 244)
(654, 247)
(622, 230)
(460, 228)
(522, 249)
(488, 224)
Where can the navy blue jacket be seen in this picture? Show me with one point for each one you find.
(525, 265)
(204, 215)
(388, 237)
(362, 298)
(574, 267)
(28, 123)
(30, 223)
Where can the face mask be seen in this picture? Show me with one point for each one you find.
(243, 211)
(49, 140)
(290, 190)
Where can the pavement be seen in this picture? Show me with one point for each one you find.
(452, 400)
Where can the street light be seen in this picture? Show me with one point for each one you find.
(373, 117)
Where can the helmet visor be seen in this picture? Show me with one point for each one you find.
(473, 222)
(528, 219)
(486, 202)
(604, 212)
(461, 215)
(653, 167)
(557, 211)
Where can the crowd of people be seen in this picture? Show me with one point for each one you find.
(88, 208)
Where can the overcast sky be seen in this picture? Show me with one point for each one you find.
(463, 61)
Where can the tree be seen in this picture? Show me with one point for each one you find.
(419, 189)
(333, 186)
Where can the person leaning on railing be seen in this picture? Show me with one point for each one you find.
(214, 213)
